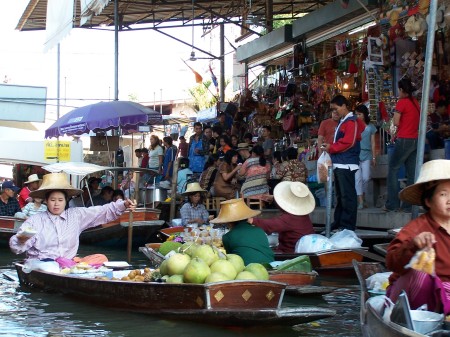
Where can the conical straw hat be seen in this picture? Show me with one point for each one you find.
(55, 182)
(193, 188)
(234, 210)
(432, 173)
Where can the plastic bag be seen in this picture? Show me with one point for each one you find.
(36, 264)
(322, 167)
(345, 239)
(378, 281)
(313, 243)
(423, 260)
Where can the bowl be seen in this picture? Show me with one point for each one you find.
(426, 321)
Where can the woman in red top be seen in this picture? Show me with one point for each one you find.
(296, 202)
(406, 118)
(430, 230)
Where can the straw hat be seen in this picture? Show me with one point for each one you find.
(32, 179)
(193, 188)
(294, 197)
(430, 174)
(394, 16)
(234, 210)
(55, 182)
(243, 146)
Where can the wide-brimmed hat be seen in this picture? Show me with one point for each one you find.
(243, 146)
(234, 210)
(430, 175)
(294, 197)
(32, 179)
(193, 188)
(53, 182)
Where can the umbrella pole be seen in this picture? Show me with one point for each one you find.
(130, 236)
(173, 194)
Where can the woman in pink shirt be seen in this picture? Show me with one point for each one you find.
(54, 234)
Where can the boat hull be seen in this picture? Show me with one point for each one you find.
(224, 303)
(8, 227)
(329, 262)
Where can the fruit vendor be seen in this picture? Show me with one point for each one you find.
(54, 234)
(426, 280)
(247, 241)
(193, 211)
(296, 202)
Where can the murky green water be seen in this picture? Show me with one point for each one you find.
(25, 313)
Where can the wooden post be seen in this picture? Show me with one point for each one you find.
(173, 195)
(130, 236)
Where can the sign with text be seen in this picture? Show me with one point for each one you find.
(54, 149)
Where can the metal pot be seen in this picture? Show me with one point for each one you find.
(151, 194)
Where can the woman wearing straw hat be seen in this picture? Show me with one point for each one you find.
(55, 234)
(194, 211)
(243, 239)
(296, 202)
(430, 230)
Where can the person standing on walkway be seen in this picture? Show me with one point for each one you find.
(344, 154)
(198, 150)
(326, 130)
(366, 156)
(406, 119)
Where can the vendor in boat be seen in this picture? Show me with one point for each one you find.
(54, 234)
(296, 202)
(247, 241)
(430, 230)
(193, 211)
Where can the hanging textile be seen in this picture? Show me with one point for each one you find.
(59, 22)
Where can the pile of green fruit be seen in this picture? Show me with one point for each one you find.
(194, 263)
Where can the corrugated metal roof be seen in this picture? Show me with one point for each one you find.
(162, 13)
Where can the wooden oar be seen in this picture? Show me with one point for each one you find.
(130, 236)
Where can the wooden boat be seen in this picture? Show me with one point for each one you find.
(372, 323)
(146, 223)
(293, 278)
(381, 248)
(334, 262)
(223, 303)
(8, 227)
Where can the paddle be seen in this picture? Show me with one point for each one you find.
(130, 236)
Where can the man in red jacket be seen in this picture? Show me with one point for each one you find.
(344, 153)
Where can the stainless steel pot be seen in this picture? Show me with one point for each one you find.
(152, 194)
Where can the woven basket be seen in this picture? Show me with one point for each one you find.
(155, 257)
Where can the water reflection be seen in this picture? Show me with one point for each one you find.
(33, 313)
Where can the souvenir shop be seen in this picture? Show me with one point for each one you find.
(362, 56)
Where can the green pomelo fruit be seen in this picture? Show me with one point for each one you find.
(245, 275)
(237, 262)
(258, 270)
(163, 268)
(175, 279)
(216, 277)
(188, 248)
(196, 271)
(225, 267)
(176, 263)
(206, 253)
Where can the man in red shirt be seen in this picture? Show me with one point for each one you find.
(327, 129)
(183, 147)
(32, 184)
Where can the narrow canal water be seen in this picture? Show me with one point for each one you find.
(33, 313)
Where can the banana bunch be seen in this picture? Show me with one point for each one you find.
(424, 260)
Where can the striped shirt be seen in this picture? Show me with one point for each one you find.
(58, 235)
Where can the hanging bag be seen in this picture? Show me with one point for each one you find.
(289, 122)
